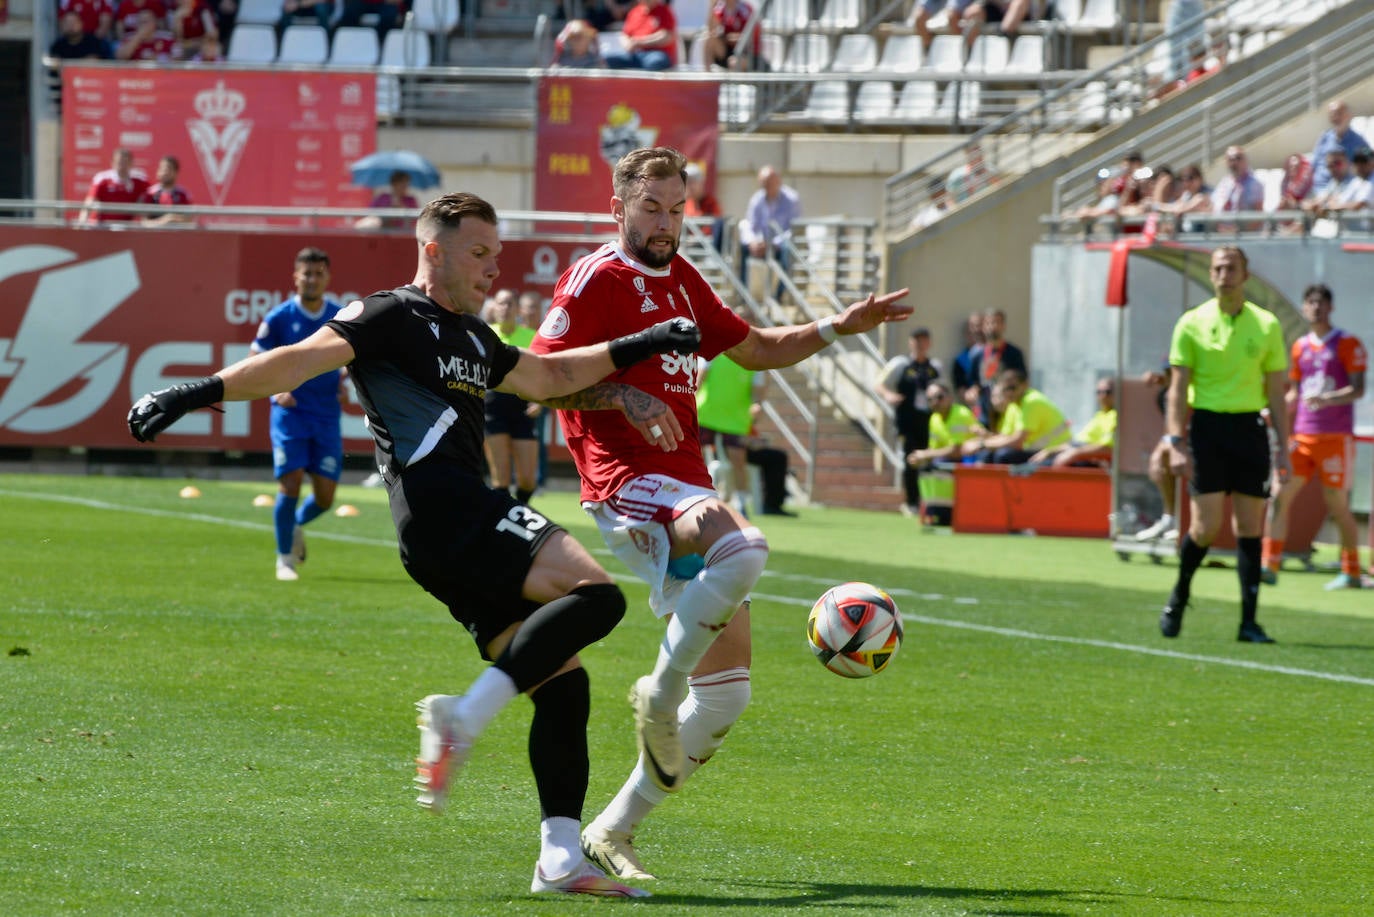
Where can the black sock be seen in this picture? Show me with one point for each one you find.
(553, 633)
(558, 744)
(1248, 571)
(1190, 557)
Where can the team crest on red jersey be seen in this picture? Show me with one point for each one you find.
(556, 323)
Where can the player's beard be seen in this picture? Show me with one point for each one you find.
(647, 257)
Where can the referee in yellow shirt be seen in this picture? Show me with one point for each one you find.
(1229, 362)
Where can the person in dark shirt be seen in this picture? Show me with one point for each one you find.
(75, 43)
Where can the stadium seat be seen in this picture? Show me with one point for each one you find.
(303, 44)
(354, 46)
(989, 54)
(696, 53)
(405, 48)
(857, 52)
(840, 15)
(946, 54)
(917, 102)
(773, 48)
(786, 16)
(736, 103)
(438, 17)
(252, 43)
(828, 101)
(1068, 11)
(608, 43)
(692, 16)
(969, 100)
(1098, 14)
(258, 12)
(1027, 55)
(901, 54)
(874, 101)
(807, 53)
(1272, 180)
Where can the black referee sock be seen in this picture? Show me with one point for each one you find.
(1190, 557)
(1248, 572)
(554, 633)
(558, 744)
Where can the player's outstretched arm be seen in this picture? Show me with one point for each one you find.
(654, 420)
(539, 377)
(774, 348)
(278, 370)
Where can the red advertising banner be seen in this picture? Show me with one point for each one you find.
(92, 319)
(277, 138)
(586, 125)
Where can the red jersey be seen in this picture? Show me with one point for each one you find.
(90, 12)
(608, 294)
(161, 46)
(107, 188)
(734, 21)
(126, 14)
(1323, 365)
(641, 21)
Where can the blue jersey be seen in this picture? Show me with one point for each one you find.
(287, 324)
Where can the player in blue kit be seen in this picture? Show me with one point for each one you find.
(306, 435)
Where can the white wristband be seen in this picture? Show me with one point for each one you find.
(825, 327)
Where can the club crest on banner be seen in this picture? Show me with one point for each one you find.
(219, 135)
(623, 132)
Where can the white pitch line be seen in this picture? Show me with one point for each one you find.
(780, 599)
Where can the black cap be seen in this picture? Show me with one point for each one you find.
(1363, 154)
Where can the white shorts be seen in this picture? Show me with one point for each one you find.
(634, 525)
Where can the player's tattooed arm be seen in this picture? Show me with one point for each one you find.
(647, 414)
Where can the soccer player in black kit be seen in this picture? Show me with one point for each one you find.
(421, 361)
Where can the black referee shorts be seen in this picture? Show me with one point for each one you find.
(1230, 453)
(505, 413)
(469, 546)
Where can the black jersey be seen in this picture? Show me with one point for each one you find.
(421, 373)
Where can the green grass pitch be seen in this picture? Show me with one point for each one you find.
(182, 734)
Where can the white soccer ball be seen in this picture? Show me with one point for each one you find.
(854, 629)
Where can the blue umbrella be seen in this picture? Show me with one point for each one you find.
(375, 171)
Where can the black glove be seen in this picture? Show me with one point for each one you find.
(676, 334)
(157, 411)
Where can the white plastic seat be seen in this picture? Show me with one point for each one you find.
(388, 95)
(258, 12)
(901, 54)
(828, 101)
(303, 44)
(874, 101)
(692, 15)
(1098, 14)
(969, 100)
(1069, 11)
(696, 53)
(1272, 180)
(840, 14)
(918, 101)
(946, 54)
(786, 15)
(438, 17)
(989, 54)
(252, 43)
(609, 43)
(736, 103)
(1027, 55)
(807, 53)
(772, 48)
(406, 48)
(354, 46)
(856, 52)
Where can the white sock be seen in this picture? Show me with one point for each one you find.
(733, 565)
(559, 849)
(488, 695)
(714, 703)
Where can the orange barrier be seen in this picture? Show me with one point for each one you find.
(997, 499)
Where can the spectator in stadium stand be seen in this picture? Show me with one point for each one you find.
(389, 13)
(1193, 197)
(1297, 182)
(702, 203)
(397, 196)
(149, 42)
(97, 18)
(1344, 189)
(961, 373)
(928, 9)
(648, 40)
(990, 361)
(728, 21)
(605, 14)
(226, 14)
(1363, 161)
(75, 43)
(318, 12)
(576, 47)
(119, 184)
(126, 16)
(1340, 135)
(1239, 190)
(964, 181)
(192, 22)
(167, 193)
(211, 51)
(938, 206)
(774, 204)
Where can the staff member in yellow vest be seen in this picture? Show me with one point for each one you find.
(1228, 363)
(1092, 446)
(1031, 422)
(952, 424)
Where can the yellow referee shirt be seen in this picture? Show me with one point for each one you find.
(1228, 357)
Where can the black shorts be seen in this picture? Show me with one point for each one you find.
(505, 413)
(469, 546)
(1230, 454)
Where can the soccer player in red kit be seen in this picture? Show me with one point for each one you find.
(654, 501)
